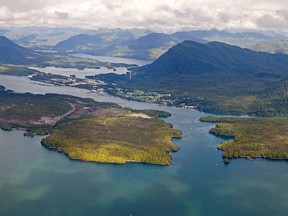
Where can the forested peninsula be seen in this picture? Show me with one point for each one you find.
(251, 137)
(86, 130)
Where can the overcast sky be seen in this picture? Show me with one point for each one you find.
(153, 14)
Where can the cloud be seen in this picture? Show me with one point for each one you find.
(283, 13)
(276, 20)
(268, 21)
(161, 14)
(61, 15)
(17, 6)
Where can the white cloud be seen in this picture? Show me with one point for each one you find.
(16, 6)
(165, 14)
(271, 22)
(283, 13)
(61, 15)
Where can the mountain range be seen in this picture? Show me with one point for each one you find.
(130, 43)
(45, 38)
(123, 44)
(84, 42)
(151, 45)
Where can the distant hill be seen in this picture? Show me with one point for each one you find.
(102, 42)
(242, 39)
(47, 37)
(11, 53)
(98, 42)
(225, 34)
(41, 37)
(149, 46)
(124, 42)
(272, 46)
(229, 79)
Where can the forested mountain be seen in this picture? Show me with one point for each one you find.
(96, 42)
(214, 57)
(227, 78)
(11, 53)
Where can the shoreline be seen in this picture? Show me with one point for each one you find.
(92, 131)
(250, 138)
(113, 162)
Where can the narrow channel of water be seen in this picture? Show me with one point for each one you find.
(80, 73)
(114, 59)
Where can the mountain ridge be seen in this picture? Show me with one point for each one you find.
(152, 44)
(216, 57)
(229, 79)
(12, 53)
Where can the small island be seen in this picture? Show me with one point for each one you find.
(86, 130)
(251, 137)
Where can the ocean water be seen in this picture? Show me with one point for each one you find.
(37, 181)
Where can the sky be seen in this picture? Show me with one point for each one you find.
(152, 14)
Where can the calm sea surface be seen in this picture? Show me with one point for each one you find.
(79, 73)
(114, 59)
(36, 181)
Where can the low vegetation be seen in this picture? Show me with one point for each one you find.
(251, 137)
(152, 113)
(24, 107)
(115, 139)
(17, 70)
(88, 130)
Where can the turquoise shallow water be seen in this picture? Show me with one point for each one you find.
(36, 181)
